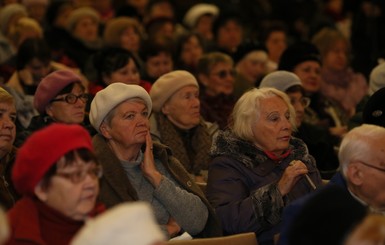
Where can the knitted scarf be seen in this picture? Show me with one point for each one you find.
(195, 154)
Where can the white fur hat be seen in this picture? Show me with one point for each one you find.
(107, 99)
(197, 11)
(128, 223)
(377, 78)
(281, 80)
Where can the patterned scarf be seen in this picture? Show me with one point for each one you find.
(191, 147)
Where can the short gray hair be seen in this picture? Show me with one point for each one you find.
(356, 144)
(247, 111)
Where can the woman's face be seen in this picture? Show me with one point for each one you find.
(230, 35)
(272, 130)
(128, 74)
(310, 74)
(73, 199)
(129, 124)
(276, 44)
(297, 101)
(130, 39)
(220, 80)
(158, 65)
(7, 127)
(191, 51)
(183, 108)
(62, 111)
(336, 58)
(86, 29)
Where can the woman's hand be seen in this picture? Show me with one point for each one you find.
(291, 175)
(172, 227)
(148, 166)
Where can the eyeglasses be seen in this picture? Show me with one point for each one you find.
(223, 74)
(81, 174)
(305, 101)
(371, 166)
(72, 99)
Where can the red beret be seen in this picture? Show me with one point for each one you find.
(51, 85)
(43, 149)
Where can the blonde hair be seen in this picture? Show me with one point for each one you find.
(247, 111)
(371, 231)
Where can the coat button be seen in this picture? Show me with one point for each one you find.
(189, 184)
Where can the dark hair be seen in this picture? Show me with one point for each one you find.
(53, 10)
(110, 59)
(153, 48)
(225, 17)
(67, 89)
(32, 48)
(84, 154)
(181, 41)
(272, 26)
(295, 89)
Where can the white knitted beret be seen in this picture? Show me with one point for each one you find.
(128, 223)
(281, 80)
(168, 84)
(196, 11)
(107, 99)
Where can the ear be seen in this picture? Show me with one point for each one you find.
(165, 109)
(41, 192)
(105, 130)
(48, 110)
(355, 174)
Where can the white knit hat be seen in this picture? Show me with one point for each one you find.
(196, 11)
(79, 13)
(168, 84)
(107, 99)
(128, 223)
(281, 80)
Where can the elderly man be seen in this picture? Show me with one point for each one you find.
(177, 122)
(361, 179)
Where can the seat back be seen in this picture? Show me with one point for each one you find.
(238, 239)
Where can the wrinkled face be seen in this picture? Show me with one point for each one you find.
(191, 51)
(220, 80)
(230, 35)
(158, 65)
(370, 179)
(7, 127)
(129, 125)
(74, 200)
(336, 58)
(130, 40)
(62, 111)
(183, 108)
(296, 99)
(272, 130)
(276, 44)
(310, 74)
(86, 29)
(128, 74)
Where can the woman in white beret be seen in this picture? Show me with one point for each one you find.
(136, 169)
(176, 121)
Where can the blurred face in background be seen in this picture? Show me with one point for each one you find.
(310, 74)
(191, 51)
(86, 29)
(276, 44)
(336, 58)
(130, 39)
(7, 126)
(158, 65)
(128, 74)
(219, 80)
(230, 35)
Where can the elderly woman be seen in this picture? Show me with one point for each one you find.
(8, 194)
(216, 74)
(258, 167)
(59, 189)
(60, 97)
(176, 121)
(136, 169)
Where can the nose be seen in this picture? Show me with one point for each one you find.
(8, 123)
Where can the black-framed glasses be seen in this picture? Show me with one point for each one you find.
(371, 166)
(305, 101)
(81, 174)
(72, 98)
(224, 73)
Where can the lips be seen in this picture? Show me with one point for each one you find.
(6, 136)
